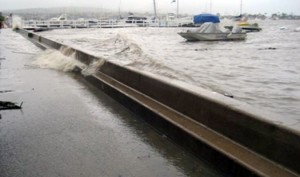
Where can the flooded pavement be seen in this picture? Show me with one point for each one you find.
(68, 128)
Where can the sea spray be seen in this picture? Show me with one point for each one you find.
(126, 46)
(140, 60)
(87, 70)
(64, 60)
(53, 59)
(16, 22)
(93, 67)
(67, 51)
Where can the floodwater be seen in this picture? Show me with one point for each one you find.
(263, 70)
(68, 128)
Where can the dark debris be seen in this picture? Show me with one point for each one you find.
(6, 105)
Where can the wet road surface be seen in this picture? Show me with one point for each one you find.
(68, 128)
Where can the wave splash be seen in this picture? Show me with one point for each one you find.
(93, 67)
(63, 60)
(16, 22)
(121, 49)
(129, 53)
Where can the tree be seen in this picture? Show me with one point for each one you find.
(1, 18)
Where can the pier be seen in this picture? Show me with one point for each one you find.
(113, 23)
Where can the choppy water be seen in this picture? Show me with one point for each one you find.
(263, 70)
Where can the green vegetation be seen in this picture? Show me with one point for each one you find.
(1, 18)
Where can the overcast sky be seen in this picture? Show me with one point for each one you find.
(163, 6)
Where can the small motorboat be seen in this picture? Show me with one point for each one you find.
(41, 29)
(136, 19)
(249, 27)
(212, 32)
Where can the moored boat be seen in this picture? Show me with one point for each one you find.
(297, 29)
(212, 32)
(194, 36)
(136, 19)
(249, 27)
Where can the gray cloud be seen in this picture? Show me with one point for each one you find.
(163, 6)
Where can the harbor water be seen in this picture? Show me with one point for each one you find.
(263, 70)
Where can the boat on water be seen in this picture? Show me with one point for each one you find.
(243, 24)
(62, 17)
(210, 30)
(41, 29)
(135, 19)
(249, 27)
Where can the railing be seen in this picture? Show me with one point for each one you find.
(105, 23)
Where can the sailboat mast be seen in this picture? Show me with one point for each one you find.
(177, 12)
(120, 10)
(241, 8)
(154, 4)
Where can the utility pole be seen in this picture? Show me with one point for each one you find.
(210, 6)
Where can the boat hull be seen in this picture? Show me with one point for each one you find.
(251, 28)
(190, 36)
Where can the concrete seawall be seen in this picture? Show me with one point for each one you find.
(229, 134)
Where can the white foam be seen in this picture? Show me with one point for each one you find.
(139, 59)
(16, 22)
(93, 67)
(52, 59)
